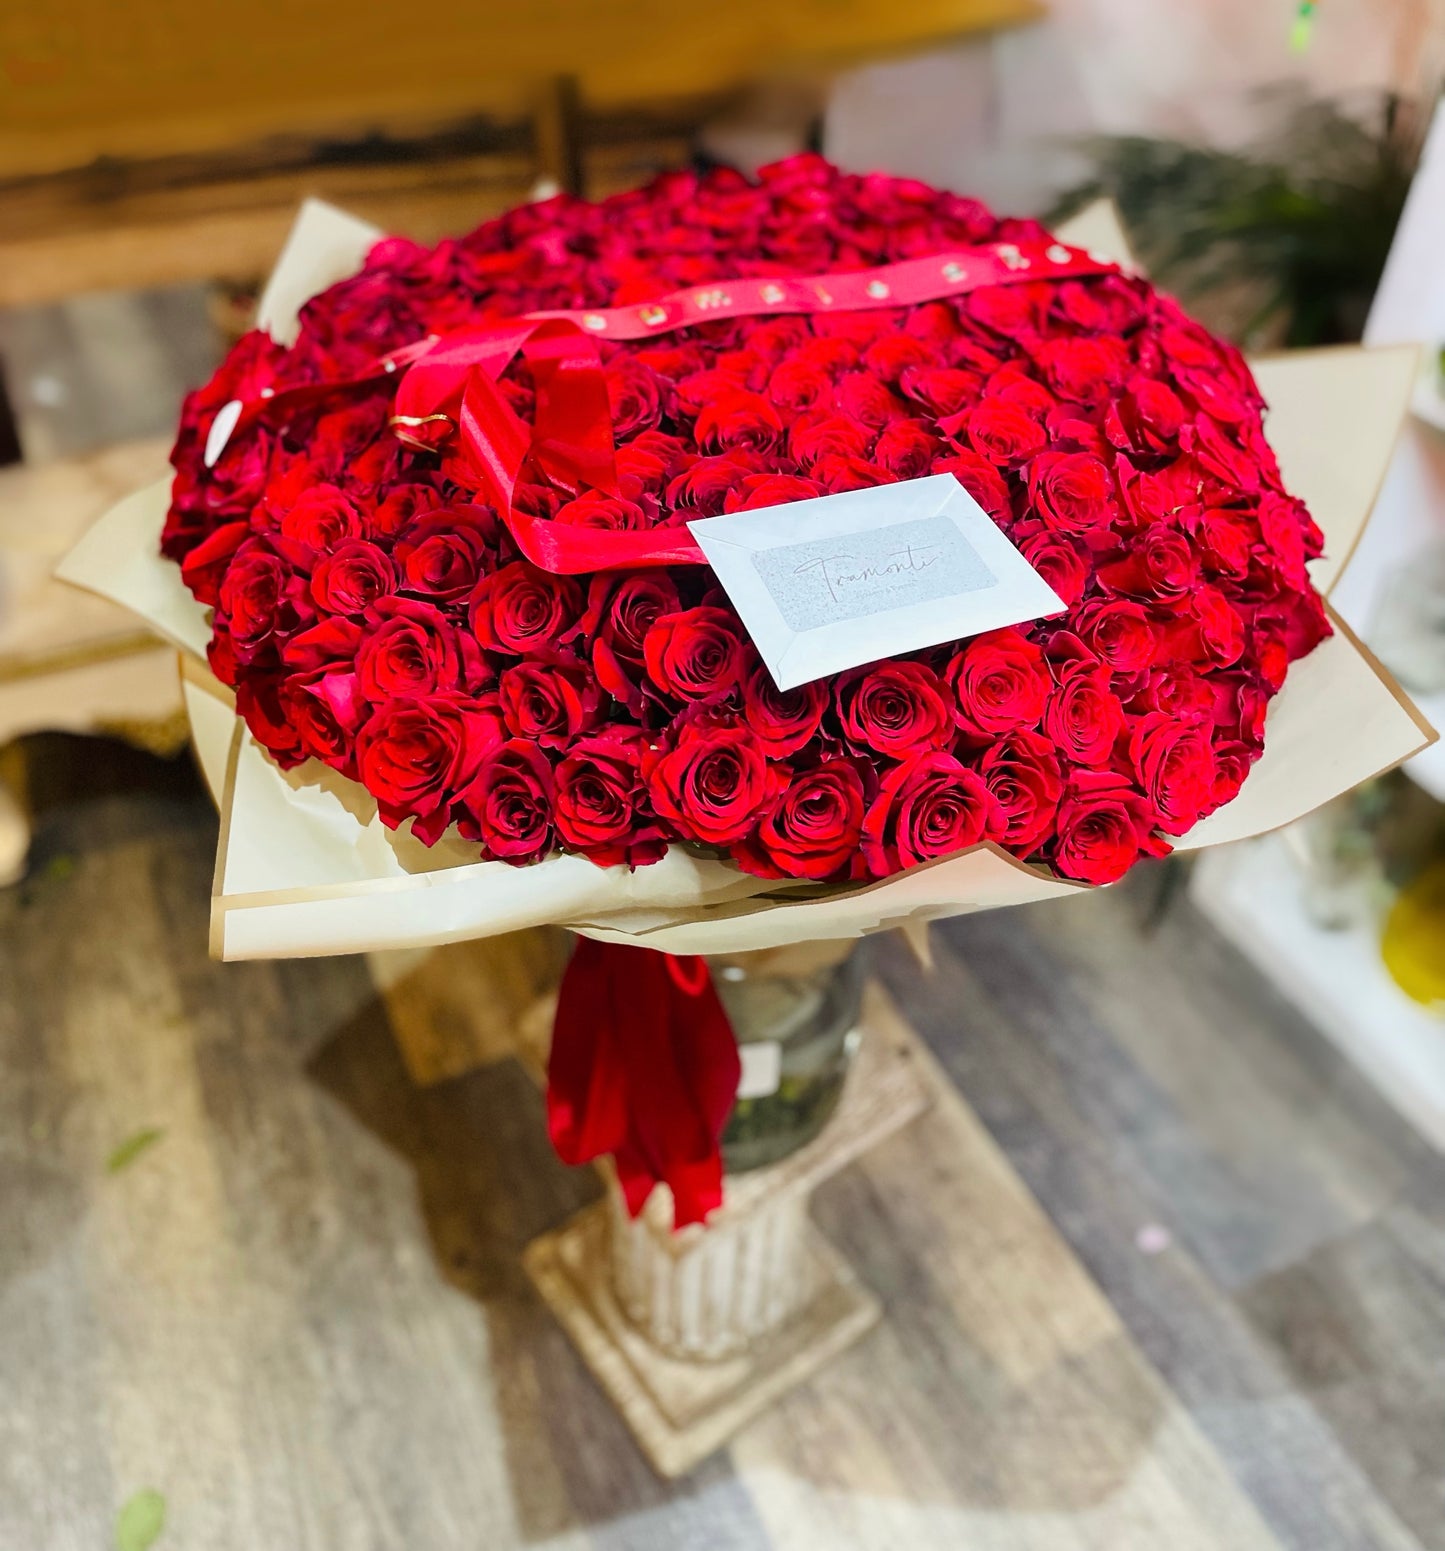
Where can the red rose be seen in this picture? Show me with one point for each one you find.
(709, 777)
(1175, 765)
(619, 615)
(319, 520)
(894, 708)
(783, 719)
(205, 564)
(704, 485)
(634, 396)
(1119, 633)
(1146, 420)
(835, 472)
(813, 828)
(508, 806)
(798, 385)
(593, 509)
(756, 490)
(1084, 717)
(1001, 682)
(399, 506)
(1022, 772)
(258, 598)
(861, 397)
(442, 554)
(411, 648)
(600, 803)
(265, 713)
(1103, 826)
(352, 577)
(738, 419)
(1085, 370)
(695, 655)
(413, 754)
(816, 436)
(942, 390)
(1072, 492)
(906, 448)
(1161, 563)
(931, 805)
(1003, 433)
(547, 704)
(1056, 557)
(520, 609)
(982, 481)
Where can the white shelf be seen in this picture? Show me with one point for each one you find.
(1253, 893)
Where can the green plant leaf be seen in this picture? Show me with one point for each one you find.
(139, 1523)
(131, 1149)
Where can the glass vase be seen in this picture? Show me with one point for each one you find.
(795, 1012)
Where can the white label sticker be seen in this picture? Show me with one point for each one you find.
(841, 580)
(762, 1069)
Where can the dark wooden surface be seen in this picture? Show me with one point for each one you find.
(1161, 1274)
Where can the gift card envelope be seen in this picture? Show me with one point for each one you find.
(842, 580)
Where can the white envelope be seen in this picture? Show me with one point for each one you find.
(841, 580)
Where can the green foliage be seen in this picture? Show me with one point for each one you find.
(139, 1524)
(1300, 225)
(131, 1149)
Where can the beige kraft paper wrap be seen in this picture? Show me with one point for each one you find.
(306, 867)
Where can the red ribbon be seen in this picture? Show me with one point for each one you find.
(450, 383)
(644, 1066)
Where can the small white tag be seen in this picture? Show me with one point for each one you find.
(762, 1069)
(831, 583)
(221, 427)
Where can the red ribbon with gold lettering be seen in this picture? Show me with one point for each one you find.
(448, 400)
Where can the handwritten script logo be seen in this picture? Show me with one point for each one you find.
(843, 571)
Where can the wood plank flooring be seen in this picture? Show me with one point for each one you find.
(1161, 1273)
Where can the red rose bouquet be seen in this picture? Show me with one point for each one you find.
(430, 522)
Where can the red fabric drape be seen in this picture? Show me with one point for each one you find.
(645, 1067)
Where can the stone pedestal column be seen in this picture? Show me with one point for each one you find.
(692, 1333)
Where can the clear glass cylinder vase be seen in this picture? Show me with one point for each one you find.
(795, 1012)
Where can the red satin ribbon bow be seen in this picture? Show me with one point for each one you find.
(452, 382)
(644, 1066)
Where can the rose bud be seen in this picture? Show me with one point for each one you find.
(783, 719)
(320, 519)
(931, 805)
(894, 708)
(441, 555)
(548, 704)
(1072, 492)
(1176, 767)
(205, 564)
(352, 577)
(593, 509)
(411, 648)
(1104, 825)
(508, 806)
(738, 419)
(1120, 633)
(619, 615)
(1003, 433)
(414, 755)
(1084, 717)
(521, 609)
(812, 829)
(710, 779)
(1022, 772)
(695, 655)
(1001, 682)
(600, 803)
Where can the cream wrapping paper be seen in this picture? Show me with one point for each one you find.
(305, 866)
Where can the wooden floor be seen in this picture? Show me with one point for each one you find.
(1160, 1273)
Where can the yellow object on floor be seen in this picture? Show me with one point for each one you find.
(1413, 945)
